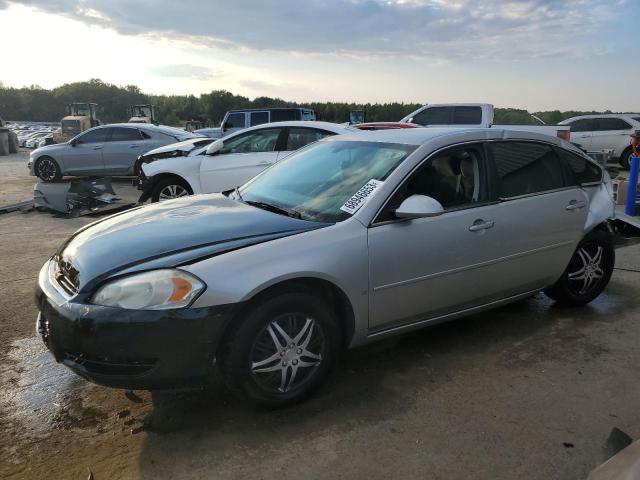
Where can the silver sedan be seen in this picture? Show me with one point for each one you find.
(104, 150)
(349, 240)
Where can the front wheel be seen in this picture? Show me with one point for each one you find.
(588, 272)
(47, 169)
(281, 351)
(170, 188)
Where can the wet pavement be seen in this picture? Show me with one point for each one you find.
(530, 390)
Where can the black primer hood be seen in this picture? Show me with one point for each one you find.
(171, 233)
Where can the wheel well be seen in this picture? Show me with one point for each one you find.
(625, 151)
(324, 289)
(161, 177)
(45, 156)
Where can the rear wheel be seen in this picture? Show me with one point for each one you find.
(281, 351)
(47, 169)
(625, 159)
(588, 272)
(170, 188)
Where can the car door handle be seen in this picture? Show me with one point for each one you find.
(133, 146)
(575, 205)
(481, 225)
(97, 148)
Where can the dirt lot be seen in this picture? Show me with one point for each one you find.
(528, 391)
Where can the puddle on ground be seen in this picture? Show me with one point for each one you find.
(40, 393)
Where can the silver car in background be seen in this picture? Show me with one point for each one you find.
(104, 150)
(347, 241)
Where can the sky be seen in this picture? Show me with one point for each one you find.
(533, 54)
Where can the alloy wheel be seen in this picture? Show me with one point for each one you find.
(172, 191)
(287, 352)
(588, 271)
(46, 169)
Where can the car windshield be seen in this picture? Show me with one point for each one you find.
(315, 182)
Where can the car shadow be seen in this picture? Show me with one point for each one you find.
(374, 383)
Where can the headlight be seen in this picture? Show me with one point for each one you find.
(154, 290)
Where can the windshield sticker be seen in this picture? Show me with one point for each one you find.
(352, 205)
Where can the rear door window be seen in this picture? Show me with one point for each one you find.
(434, 116)
(583, 125)
(467, 116)
(121, 134)
(258, 118)
(523, 168)
(582, 170)
(300, 137)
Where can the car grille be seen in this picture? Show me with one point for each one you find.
(111, 366)
(67, 277)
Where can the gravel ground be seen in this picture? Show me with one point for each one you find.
(528, 391)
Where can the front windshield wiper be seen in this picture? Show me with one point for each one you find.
(274, 208)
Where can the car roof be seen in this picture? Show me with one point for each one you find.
(332, 127)
(385, 125)
(421, 136)
(267, 109)
(600, 115)
(150, 126)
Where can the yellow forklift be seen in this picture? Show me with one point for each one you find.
(145, 113)
(81, 116)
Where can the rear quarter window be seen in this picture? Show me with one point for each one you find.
(581, 169)
(608, 124)
(284, 115)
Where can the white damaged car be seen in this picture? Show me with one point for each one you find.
(207, 166)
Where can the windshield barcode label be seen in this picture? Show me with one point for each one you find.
(360, 197)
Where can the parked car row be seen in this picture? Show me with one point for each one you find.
(103, 150)
(121, 149)
(33, 135)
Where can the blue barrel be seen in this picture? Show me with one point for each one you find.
(632, 191)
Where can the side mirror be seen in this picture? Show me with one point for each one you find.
(215, 147)
(419, 206)
(74, 142)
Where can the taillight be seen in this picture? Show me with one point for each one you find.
(564, 135)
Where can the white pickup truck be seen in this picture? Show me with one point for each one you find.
(475, 115)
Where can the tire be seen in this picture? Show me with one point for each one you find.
(625, 159)
(281, 350)
(47, 169)
(137, 168)
(588, 272)
(169, 188)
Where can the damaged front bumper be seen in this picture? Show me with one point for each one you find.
(132, 349)
(145, 185)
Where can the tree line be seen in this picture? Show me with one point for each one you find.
(35, 103)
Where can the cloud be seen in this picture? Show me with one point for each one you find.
(427, 29)
(185, 70)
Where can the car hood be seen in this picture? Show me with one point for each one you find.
(51, 148)
(170, 234)
(185, 146)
